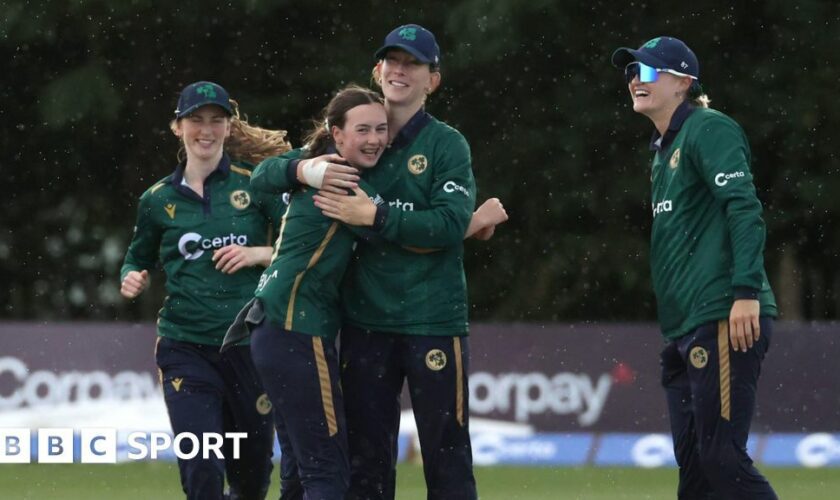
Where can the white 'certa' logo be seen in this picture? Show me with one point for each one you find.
(192, 246)
(721, 179)
(451, 187)
(195, 250)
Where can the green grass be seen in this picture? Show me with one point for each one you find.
(160, 481)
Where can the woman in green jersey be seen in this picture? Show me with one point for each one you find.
(715, 305)
(406, 315)
(295, 316)
(211, 235)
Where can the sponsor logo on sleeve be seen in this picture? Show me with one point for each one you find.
(170, 210)
(722, 179)
(451, 187)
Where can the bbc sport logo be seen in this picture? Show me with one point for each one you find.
(105, 445)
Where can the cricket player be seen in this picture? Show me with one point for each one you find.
(715, 306)
(405, 313)
(211, 234)
(296, 316)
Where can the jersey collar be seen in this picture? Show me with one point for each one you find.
(222, 169)
(410, 130)
(659, 142)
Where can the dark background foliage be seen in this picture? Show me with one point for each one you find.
(88, 88)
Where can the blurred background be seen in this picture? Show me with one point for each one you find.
(565, 346)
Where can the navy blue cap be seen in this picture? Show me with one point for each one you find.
(198, 94)
(663, 52)
(414, 39)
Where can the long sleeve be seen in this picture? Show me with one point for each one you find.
(271, 175)
(725, 169)
(452, 201)
(143, 251)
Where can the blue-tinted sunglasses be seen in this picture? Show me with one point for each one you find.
(647, 74)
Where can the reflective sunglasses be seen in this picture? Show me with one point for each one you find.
(647, 74)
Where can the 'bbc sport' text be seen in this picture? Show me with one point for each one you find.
(60, 445)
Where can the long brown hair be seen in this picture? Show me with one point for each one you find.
(319, 138)
(247, 142)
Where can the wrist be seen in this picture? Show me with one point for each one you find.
(298, 166)
(370, 216)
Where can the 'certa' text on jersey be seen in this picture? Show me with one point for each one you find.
(662, 206)
(405, 206)
(451, 187)
(721, 179)
(193, 245)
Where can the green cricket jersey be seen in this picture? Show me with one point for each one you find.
(425, 179)
(299, 291)
(707, 240)
(181, 230)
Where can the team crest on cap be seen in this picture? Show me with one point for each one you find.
(176, 383)
(240, 199)
(417, 164)
(436, 360)
(170, 210)
(675, 159)
(263, 404)
(652, 43)
(206, 90)
(699, 357)
(408, 33)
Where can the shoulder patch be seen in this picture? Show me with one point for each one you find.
(240, 170)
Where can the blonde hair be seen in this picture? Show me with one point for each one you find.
(251, 143)
(697, 96)
(247, 142)
(702, 101)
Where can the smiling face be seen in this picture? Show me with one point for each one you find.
(404, 79)
(364, 136)
(654, 99)
(204, 132)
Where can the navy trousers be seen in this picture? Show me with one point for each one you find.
(711, 397)
(300, 374)
(373, 368)
(207, 391)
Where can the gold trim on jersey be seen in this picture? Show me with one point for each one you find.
(326, 386)
(459, 381)
(280, 236)
(156, 187)
(240, 170)
(723, 360)
(421, 250)
(312, 261)
(160, 372)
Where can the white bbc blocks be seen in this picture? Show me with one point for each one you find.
(15, 446)
(99, 446)
(55, 446)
